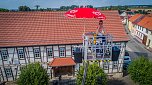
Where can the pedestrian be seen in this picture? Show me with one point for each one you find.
(100, 29)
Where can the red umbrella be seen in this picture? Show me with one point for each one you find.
(85, 13)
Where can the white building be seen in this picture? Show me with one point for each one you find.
(142, 29)
(46, 37)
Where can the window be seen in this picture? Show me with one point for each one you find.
(73, 51)
(4, 54)
(142, 29)
(21, 53)
(37, 53)
(115, 64)
(62, 52)
(22, 67)
(146, 30)
(105, 65)
(49, 52)
(8, 72)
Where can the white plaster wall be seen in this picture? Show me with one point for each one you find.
(56, 51)
(149, 37)
(142, 32)
(68, 51)
(43, 57)
(31, 55)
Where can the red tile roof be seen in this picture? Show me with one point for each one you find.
(146, 22)
(136, 16)
(46, 28)
(62, 62)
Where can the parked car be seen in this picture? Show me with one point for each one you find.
(127, 60)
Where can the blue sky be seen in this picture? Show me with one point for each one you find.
(14, 4)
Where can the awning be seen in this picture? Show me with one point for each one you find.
(58, 62)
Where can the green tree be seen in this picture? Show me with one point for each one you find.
(33, 74)
(95, 75)
(81, 6)
(37, 7)
(140, 71)
(24, 8)
(74, 6)
(62, 8)
(89, 6)
(49, 9)
(3, 10)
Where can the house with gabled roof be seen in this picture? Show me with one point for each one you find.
(50, 38)
(140, 27)
(132, 22)
(144, 31)
(125, 16)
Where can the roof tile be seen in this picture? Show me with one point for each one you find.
(56, 62)
(46, 28)
(146, 22)
(136, 16)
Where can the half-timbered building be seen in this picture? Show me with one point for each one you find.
(49, 38)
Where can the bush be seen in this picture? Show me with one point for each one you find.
(95, 75)
(140, 71)
(33, 74)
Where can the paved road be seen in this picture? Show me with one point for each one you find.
(136, 49)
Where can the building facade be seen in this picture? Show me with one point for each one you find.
(50, 38)
(141, 34)
(149, 40)
(132, 23)
(15, 58)
(140, 27)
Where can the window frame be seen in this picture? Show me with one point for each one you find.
(8, 72)
(19, 55)
(4, 57)
(47, 52)
(35, 53)
(72, 51)
(106, 65)
(60, 52)
(22, 67)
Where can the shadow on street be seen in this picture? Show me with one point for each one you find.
(138, 54)
(116, 82)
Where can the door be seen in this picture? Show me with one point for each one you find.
(144, 40)
(65, 70)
